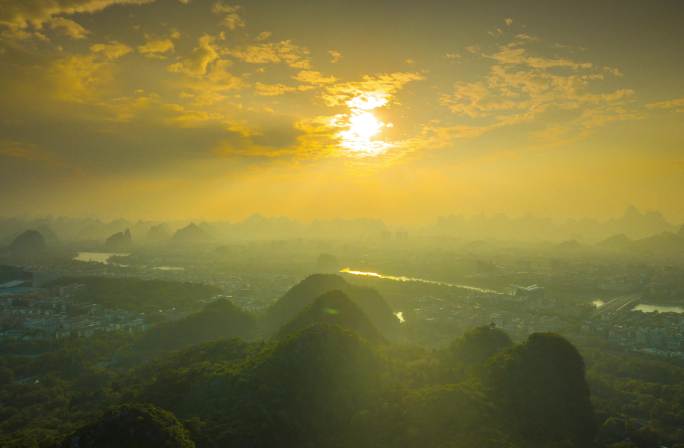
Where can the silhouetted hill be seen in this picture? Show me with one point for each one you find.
(192, 233)
(157, 233)
(131, 426)
(451, 415)
(477, 346)
(305, 293)
(633, 223)
(313, 383)
(666, 243)
(321, 386)
(541, 391)
(49, 235)
(218, 320)
(94, 229)
(619, 242)
(120, 241)
(28, 243)
(333, 308)
(641, 224)
(302, 390)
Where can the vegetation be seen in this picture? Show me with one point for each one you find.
(27, 244)
(217, 320)
(333, 308)
(139, 295)
(541, 392)
(133, 426)
(304, 293)
(478, 345)
(329, 379)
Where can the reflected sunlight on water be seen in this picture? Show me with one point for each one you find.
(401, 278)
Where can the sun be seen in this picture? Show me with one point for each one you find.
(362, 128)
(365, 125)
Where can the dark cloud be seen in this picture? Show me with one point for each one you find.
(24, 13)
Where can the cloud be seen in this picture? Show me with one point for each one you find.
(80, 78)
(314, 77)
(231, 16)
(19, 150)
(68, 28)
(29, 152)
(211, 89)
(273, 89)
(311, 79)
(522, 87)
(285, 52)
(156, 48)
(264, 35)
(111, 50)
(35, 13)
(676, 104)
(197, 63)
(335, 56)
(516, 55)
(383, 85)
(126, 109)
(336, 134)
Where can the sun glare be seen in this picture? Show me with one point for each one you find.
(365, 125)
(361, 127)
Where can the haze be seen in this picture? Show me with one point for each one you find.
(400, 111)
(341, 224)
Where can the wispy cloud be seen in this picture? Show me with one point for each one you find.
(35, 13)
(231, 18)
(286, 52)
(30, 153)
(111, 50)
(68, 27)
(522, 86)
(198, 62)
(156, 48)
(335, 56)
(676, 104)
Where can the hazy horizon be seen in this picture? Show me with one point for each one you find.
(422, 221)
(341, 223)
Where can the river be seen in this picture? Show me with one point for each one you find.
(97, 257)
(658, 309)
(401, 278)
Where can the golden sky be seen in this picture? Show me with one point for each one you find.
(388, 109)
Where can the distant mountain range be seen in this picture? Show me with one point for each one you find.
(664, 243)
(120, 241)
(633, 223)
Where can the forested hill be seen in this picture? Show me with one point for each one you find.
(308, 290)
(326, 378)
(325, 386)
